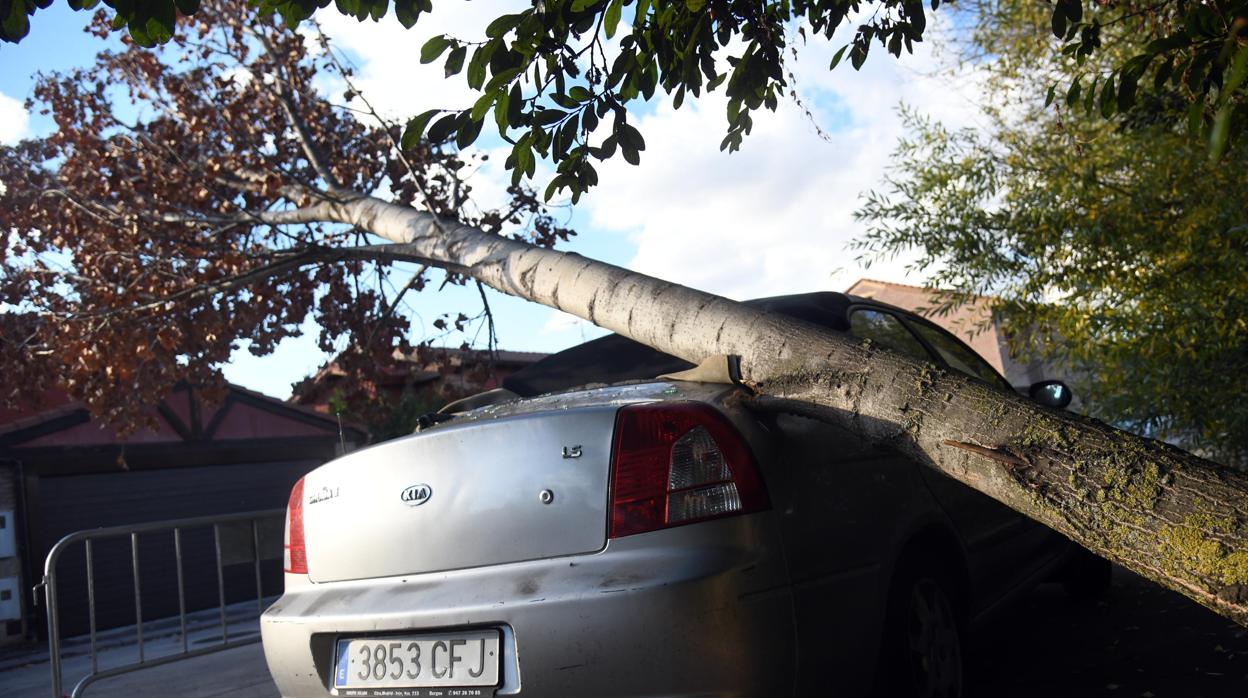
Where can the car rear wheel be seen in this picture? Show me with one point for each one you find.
(923, 638)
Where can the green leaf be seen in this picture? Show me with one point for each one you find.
(580, 94)
(502, 106)
(1072, 95)
(1236, 76)
(836, 57)
(607, 149)
(1059, 21)
(1219, 135)
(442, 128)
(524, 158)
(1126, 91)
(564, 101)
(555, 185)
(515, 105)
(1089, 98)
(1137, 65)
(455, 61)
(611, 19)
(1168, 43)
(476, 67)
(469, 129)
(640, 14)
(695, 6)
(407, 12)
(858, 54)
(1195, 118)
(582, 5)
(503, 78)
(351, 8)
(434, 48)
(630, 137)
(1164, 71)
(1048, 98)
(1108, 95)
(482, 105)
(416, 128)
(547, 117)
(503, 24)
(1073, 10)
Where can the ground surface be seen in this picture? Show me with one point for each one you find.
(1142, 642)
(238, 673)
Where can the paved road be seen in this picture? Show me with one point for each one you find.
(1141, 642)
(239, 672)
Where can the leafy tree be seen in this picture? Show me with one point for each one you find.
(551, 80)
(144, 245)
(1117, 239)
(162, 187)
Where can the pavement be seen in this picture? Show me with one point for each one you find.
(240, 671)
(1142, 641)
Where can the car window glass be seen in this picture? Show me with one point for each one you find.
(959, 356)
(887, 330)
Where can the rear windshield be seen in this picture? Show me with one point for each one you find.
(616, 359)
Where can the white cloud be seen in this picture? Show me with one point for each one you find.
(390, 72)
(14, 121)
(774, 217)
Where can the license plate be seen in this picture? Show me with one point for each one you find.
(461, 663)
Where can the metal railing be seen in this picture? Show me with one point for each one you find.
(252, 520)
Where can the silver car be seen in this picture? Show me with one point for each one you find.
(647, 537)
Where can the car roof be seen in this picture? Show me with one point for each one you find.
(614, 358)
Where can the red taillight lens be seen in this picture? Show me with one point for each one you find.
(295, 555)
(676, 463)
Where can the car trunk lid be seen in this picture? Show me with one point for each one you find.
(485, 492)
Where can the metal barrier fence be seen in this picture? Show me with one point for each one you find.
(256, 521)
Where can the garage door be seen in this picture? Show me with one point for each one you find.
(78, 502)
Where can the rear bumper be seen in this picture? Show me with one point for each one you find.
(698, 610)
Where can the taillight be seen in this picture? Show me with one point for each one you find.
(677, 463)
(295, 555)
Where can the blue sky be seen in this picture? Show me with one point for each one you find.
(774, 218)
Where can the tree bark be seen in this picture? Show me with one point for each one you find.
(1169, 515)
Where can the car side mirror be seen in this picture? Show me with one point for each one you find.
(1051, 393)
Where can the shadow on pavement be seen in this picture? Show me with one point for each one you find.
(1141, 641)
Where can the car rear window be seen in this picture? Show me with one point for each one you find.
(958, 355)
(616, 359)
(887, 330)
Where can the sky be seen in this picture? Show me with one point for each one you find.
(774, 218)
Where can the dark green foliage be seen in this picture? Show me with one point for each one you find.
(680, 47)
(1116, 254)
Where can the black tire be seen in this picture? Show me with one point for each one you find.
(1086, 576)
(924, 648)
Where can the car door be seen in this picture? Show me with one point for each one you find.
(1004, 548)
(843, 505)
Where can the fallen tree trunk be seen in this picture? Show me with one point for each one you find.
(1166, 514)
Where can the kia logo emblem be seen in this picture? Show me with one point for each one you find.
(416, 495)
